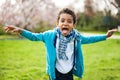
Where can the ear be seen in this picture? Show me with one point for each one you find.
(56, 23)
(74, 25)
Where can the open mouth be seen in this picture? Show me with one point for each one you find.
(65, 30)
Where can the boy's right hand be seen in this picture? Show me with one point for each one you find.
(11, 28)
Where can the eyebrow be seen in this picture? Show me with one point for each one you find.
(70, 19)
(67, 19)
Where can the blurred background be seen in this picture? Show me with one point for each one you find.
(40, 15)
(21, 59)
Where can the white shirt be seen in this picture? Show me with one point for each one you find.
(64, 66)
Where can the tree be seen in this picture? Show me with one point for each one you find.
(116, 4)
(89, 11)
(28, 14)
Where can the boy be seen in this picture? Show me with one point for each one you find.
(63, 46)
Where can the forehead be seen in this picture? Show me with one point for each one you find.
(66, 16)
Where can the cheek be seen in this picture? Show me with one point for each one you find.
(58, 23)
(71, 26)
(60, 27)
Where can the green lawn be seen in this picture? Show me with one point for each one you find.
(25, 60)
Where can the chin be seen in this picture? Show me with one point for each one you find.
(64, 34)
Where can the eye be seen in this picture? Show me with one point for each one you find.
(70, 21)
(62, 20)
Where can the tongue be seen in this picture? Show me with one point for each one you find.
(65, 31)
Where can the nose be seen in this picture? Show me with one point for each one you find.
(65, 23)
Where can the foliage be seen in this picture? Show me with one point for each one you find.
(19, 61)
(40, 15)
(27, 13)
(1, 30)
(96, 22)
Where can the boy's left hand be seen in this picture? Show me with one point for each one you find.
(110, 32)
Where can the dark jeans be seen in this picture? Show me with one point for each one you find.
(60, 76)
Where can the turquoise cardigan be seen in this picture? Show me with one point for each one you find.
(48, 37)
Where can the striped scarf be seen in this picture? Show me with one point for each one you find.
(63, 41)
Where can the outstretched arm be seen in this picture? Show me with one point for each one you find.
(27, 34)
(96, 38)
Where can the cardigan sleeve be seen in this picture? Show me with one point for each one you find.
(32, 36)
(92, 39)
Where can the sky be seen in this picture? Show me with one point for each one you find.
(1, 1)
(79, 5)
(63, 3)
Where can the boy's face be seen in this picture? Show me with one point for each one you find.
(65, 23)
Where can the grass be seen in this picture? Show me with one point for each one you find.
(25, 60)
(99, 32)
(102, 60)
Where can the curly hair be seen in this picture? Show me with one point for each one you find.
(67, 11)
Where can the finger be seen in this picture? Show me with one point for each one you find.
(7, 30)
(114, 30)
(10, 27)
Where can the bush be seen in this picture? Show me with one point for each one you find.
(96, 22)
(1, 30)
